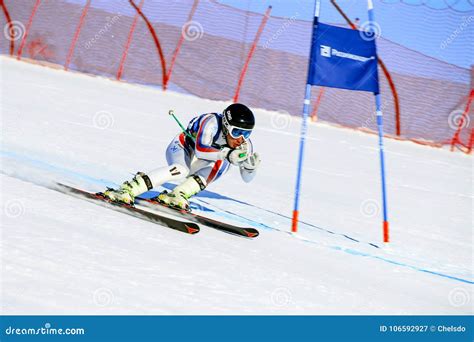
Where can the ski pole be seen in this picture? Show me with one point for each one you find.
(171, 112)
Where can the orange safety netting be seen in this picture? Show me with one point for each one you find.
(138, 41)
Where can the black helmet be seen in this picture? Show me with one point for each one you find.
(239, 115)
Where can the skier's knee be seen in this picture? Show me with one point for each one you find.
(178, 170)
(165, 174)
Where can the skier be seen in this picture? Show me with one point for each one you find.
(201, 154)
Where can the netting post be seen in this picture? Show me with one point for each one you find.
(314, 113)
(387, 74)
(251, 52)
(128, 43)
(10, 27)
(156, 41)
(76, 35)
(378, 108)
(463, 119)
(471, 141)
(304, 127)
(181, 40)
(27, 30)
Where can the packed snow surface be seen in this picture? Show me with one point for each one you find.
(63, 255)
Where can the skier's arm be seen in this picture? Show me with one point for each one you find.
(207, 131)
(248, 168)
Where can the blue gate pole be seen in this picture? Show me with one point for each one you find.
(378, 108)
(304, 126)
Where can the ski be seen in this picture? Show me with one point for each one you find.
(222, 226)
(136, 211)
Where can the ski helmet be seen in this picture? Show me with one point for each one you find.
(238, 120)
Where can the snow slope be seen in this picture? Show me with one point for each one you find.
(61, 255)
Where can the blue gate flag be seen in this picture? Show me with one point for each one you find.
(343, 58)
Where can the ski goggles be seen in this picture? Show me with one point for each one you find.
(237, 132)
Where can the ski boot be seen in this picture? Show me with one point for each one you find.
(129, 190)
(178, 198)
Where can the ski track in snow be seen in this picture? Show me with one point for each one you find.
(56, 260)
(225, 215)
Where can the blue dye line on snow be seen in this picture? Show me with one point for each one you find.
(46, 166)
(210, 194)
(222, 213)
(49, 167)
(346, 250)
(419, 269)
(301, 222)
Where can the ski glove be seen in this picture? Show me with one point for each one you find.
(252, 162)
(235, 156)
